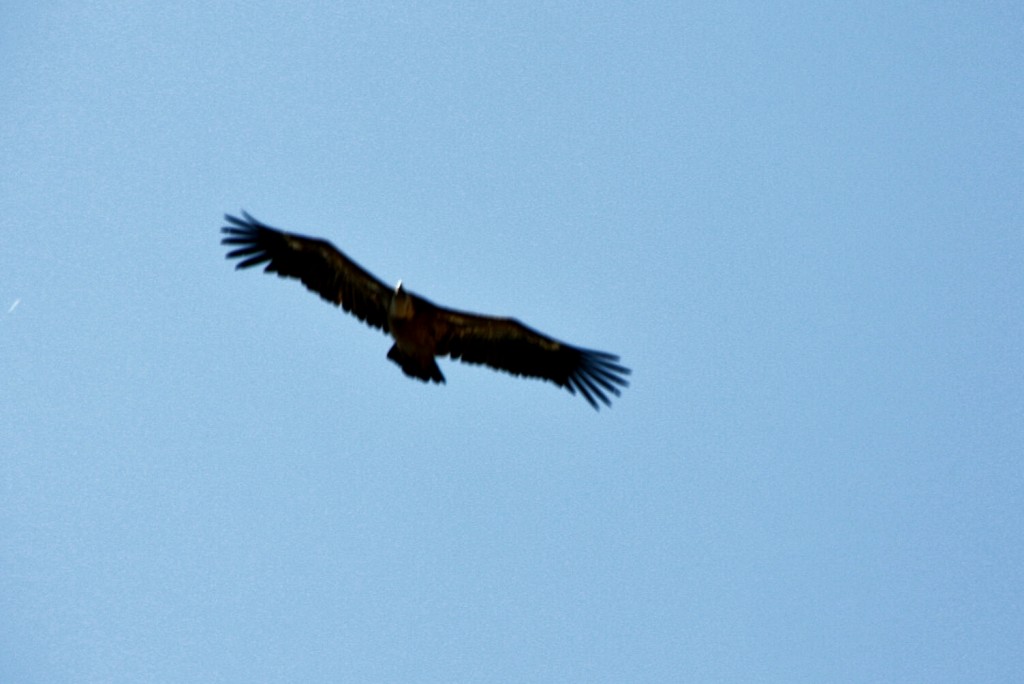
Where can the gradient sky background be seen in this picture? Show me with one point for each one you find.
(801, 224)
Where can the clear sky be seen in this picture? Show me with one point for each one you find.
(801, 225)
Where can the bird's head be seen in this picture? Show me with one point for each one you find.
(401, 303)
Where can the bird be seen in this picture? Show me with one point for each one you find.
(421, 329)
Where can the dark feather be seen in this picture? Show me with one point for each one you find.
(317, 263)
(508, 345)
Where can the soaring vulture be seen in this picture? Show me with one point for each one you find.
(421, 329)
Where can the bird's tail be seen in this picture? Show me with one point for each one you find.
(422, 369)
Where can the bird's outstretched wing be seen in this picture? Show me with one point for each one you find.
(508, 345)
(317, 263)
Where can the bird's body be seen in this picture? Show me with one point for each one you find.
(421, 329)
(415, 338)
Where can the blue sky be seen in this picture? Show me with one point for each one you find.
(799, 224)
